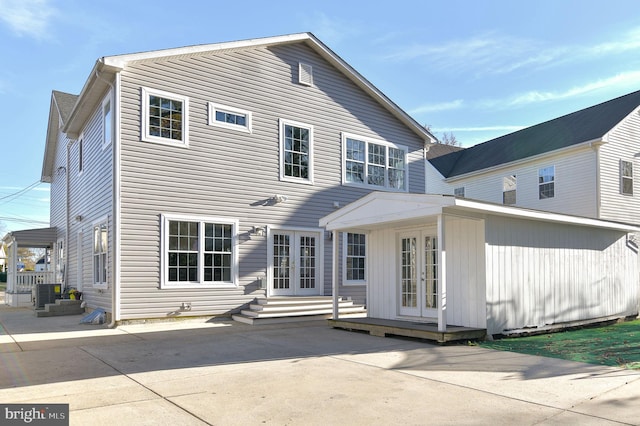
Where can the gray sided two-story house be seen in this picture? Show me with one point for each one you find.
(191, 181)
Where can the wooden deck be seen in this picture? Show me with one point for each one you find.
(427, 331)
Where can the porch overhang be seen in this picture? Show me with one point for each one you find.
(35, 238)
(383, 209)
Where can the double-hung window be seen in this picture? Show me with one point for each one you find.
(626, 177)
(509, 184)
(100, 253)
(546, 182)
(373, 163)
(107, 121)
(296, 152)
(229, 117)
(199, 252)
(164, 117)
(355, 250)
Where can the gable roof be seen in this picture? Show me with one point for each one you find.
(106, 67)
(59, 111)
(435, 150)
(587, 125)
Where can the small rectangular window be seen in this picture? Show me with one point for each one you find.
(509, 189)
(546, 182)
(80, 156)
(107, 123)
(228, 117)
(626, 177)
(355, 258)
(459, 192)
(164, 117)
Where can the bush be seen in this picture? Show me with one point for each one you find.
(3, 277)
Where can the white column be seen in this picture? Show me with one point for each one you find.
(442, 276)
(334, 274)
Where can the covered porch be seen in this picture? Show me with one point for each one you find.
(21, 283)
(437, 263)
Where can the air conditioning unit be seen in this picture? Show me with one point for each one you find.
(46, 293)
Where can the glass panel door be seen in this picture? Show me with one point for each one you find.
(418, 274)
(296, 270)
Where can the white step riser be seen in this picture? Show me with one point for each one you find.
(284, 301)
(255, 314)
(304, 307)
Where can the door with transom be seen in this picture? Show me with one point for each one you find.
(418, 273)
(296, 270)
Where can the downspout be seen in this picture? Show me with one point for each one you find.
(67, 218)
(115, 191)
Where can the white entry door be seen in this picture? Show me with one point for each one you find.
(296, 270)
(418, 274)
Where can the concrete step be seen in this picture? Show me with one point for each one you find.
(60, 308)
(301, 312)
(294, 300)
(297, 307)
(286, 319)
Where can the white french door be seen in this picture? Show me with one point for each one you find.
(418, 274)
(296, 270)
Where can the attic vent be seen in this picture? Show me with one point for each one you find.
(305, 74)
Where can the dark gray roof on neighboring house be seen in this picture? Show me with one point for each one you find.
(65, 102)
(439, 149)
(571, 129)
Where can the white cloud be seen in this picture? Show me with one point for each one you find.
(630, 79)
(444, 106)
(27, 17)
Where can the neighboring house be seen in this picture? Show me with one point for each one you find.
(581, 164)
(536, 235)
(190, 181)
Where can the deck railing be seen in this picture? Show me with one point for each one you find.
(26, 281)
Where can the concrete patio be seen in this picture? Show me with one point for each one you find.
(222, 372)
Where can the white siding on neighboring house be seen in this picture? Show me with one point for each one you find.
(233, 174)
(434, 181)
(542, 273)
(623, 144)
(575, 183)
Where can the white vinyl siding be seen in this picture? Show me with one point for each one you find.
(577, 186)
(234, 173)
(165, 117)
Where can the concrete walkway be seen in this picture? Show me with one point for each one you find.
(225, 373)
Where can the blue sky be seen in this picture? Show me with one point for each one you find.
(479, 69)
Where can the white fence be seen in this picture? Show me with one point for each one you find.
(26, 281)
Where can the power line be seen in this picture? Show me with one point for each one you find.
(23, 191)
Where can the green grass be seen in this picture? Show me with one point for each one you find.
(616, 345)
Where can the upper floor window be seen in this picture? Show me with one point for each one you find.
(228, 117)
(509, 189)
(107, 122)
(296, 151)
(374, 163)
(626, 177)
(100, 254)
(164, 117)
(199, 252)
(459, 192)
(546, 182)
(80, 156)
(355, 258)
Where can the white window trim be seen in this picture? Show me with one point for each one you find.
(622, 178)
(108, 101)
(81, 165)
(283, 122)
(100, 285)
(555, 178)
(213, 108)
(146, 92)
(368, 140)
(164, 254)
(345, 281)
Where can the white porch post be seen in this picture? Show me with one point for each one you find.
(334, 274)
(12, 266)
(442, 276)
